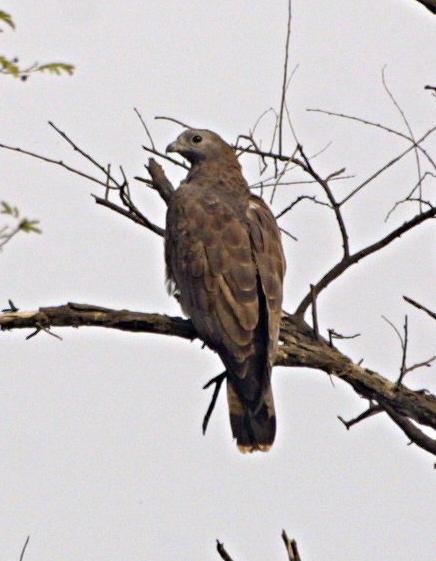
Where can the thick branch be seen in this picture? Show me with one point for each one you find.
(298, 348)
(429, 4)
(77, 315)
(411, 431)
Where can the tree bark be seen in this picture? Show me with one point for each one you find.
(298, 347)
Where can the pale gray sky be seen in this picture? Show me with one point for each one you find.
(101, 452)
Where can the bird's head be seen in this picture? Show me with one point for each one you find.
(198, 145)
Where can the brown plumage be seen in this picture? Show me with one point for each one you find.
(225, 260)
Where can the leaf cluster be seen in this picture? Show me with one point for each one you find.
(11, 67)
(22, 224)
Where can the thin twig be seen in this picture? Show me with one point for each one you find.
(334, 335)
(387, 166)
(142, 220)
(420, 306)
(222, 552)
(165, 157)
(410, 198)
(403, 368)
(82, 152)
(376, 125)
(287, 233)
(56, 162)
(147, 132)
(426, 363)
(278, 178)
(172, 120)
(218, 380)
(7, 235)
(314, 312)
(394, 327)
(12, 307)
(285, 77)
(370, 412)
(403, 342)
(291, 547)
(298, 200)
(307, 166)
(264, 184)
(23, 550)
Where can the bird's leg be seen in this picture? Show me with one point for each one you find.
(217, 380)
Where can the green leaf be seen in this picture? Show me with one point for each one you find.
(7, 18)
(56, 68)
(28, 226)
(8, 66)
(6, 208)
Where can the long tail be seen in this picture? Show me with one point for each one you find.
(253, 426)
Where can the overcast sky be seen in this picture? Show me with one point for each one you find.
(101, 452)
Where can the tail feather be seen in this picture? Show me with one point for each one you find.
(253, 425)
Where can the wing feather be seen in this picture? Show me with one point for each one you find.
(209, 257)
(271, 265)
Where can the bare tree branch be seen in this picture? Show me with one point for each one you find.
(344, 264)
(306, 165)
(298, 348)
(138, 219)
(415, 435)
(82, 152)
(429, 4)
(376, 125)
(386, 166)
(222, 552)
(144, 125)
(165, 157)
(52, 161)
(217, 380)
(285, 77)
(420, 307)
(298, 200)
(409, 128)
(334, 335)
(426, 363)
(291, 547)
(370, 412)
(23, 550)
(172, 120)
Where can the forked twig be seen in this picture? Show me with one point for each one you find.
(345, 264)
(370, 412)
(409, 128)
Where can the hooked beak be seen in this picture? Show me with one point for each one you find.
(173, 147)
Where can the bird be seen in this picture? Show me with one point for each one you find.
(225, 264)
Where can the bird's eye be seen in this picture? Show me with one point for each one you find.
(197, 139)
